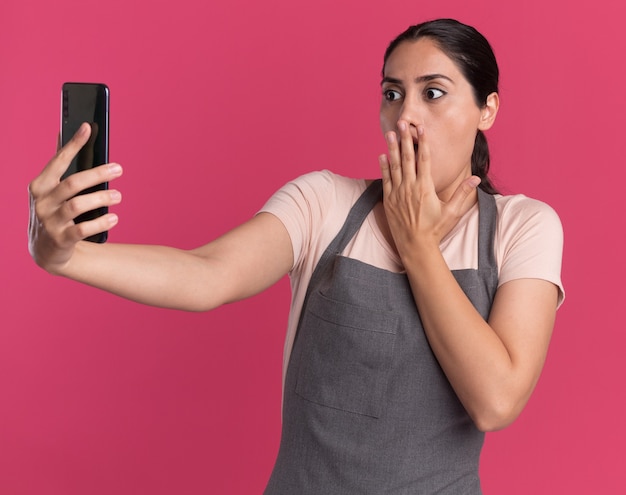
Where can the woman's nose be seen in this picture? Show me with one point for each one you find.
(410, 113)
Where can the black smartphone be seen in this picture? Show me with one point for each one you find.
(87, 102)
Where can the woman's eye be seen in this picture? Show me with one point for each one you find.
(434, 93)
(392, 95)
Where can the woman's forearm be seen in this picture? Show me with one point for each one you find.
(155, 275)
(239, 264)
(491, 367)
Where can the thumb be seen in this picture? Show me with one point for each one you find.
(467, 187)
(67, 153)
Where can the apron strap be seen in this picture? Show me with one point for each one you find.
(358, 213)
(487, 214)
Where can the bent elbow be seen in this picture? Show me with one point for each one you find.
(493, 424)
(497, 417)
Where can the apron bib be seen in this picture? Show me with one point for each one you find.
(367, 408)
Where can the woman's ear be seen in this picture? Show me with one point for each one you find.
(489, 111)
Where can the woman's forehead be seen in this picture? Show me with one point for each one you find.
(419, 58)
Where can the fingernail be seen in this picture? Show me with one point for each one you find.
(420, 130)
(115, 169)
(402, 125)
(391, 137)
(115, 196)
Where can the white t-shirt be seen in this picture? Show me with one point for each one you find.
(528, 239)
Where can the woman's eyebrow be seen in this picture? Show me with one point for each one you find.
(417, 80)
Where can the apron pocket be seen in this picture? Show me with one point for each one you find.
(347, 355)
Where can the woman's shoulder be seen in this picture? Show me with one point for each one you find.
(326, 179)
(326, 188)
(314, 197)
(312, 208)
(519, 209)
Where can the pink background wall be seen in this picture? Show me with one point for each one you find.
(214, 106)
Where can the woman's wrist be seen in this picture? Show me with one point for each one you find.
(420, 252)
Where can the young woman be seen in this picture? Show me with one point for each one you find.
(423, 303)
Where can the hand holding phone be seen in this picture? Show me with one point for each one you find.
(87, 102)
(53, 236)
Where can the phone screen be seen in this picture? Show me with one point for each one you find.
(87, 102)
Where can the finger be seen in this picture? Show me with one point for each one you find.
(385, 174)
(457, 200)
(83, 230)
(407, 151)
(60, 217)
(80, 181)
(87, 202)
(52, 172)
(424, 165)
(62, 223)
(58, 208)
(395, 160)
(78, 140)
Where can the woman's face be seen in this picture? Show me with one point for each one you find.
(423, 86)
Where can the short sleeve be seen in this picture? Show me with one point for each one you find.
(530, 241)
(302, 205)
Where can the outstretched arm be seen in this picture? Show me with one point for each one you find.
(237, 265)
